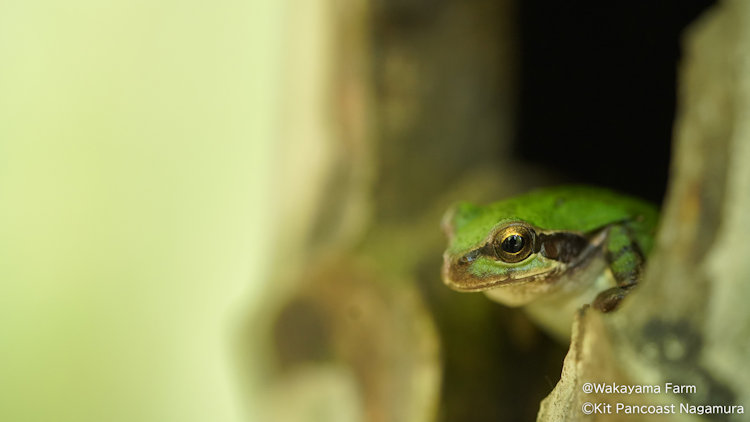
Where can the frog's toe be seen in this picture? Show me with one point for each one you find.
(609, 300)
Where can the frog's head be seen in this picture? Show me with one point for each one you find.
(489, 251)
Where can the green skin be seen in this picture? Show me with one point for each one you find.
(580, 245)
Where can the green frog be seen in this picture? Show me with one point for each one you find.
(551, 251)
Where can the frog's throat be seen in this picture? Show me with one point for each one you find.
(458, 276)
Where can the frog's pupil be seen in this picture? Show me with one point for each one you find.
(513, 243)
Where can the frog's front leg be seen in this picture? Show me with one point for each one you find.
(625, 261)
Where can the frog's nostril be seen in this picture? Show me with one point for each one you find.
(469, 257)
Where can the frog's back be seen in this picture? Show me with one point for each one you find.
(579, 208)
(564, 208)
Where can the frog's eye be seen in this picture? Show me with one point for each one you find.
(514, 242)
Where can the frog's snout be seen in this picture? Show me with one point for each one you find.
(448, 223)
(457, 217)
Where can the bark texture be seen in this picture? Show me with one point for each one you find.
(688, 324)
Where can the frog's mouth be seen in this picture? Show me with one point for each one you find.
(459, 276)
(558, 253)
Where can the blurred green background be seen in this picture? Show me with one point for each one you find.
(135, 157)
